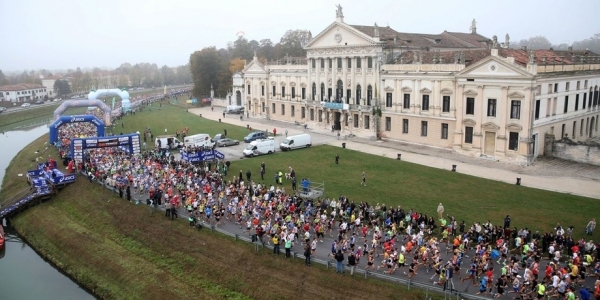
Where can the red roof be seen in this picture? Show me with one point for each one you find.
(20, 87)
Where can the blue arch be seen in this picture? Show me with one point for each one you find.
(74, 119)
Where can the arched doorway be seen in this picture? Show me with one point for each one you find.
(322, 92)
(339, 91)
(592, 126)
(238, 98)
(369, 94)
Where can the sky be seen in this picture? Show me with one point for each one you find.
(66, 34)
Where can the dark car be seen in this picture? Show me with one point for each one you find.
(256, 135)
(39, 102)
(227, 142)
(236, 110)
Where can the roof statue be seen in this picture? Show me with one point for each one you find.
(338, 12)
(376, 30)
(473, 27)
(507, 40)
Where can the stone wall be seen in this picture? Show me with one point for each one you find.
(589, 154)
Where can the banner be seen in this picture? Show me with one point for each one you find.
(206, 100)
(201, 155)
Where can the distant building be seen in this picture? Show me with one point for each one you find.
(459, 91)
(23, 92)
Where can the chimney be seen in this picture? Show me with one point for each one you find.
(524, 48)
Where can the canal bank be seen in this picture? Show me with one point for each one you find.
(24, 274)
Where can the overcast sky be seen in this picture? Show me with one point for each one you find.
(63, 34)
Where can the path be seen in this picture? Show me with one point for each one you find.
(553, 175)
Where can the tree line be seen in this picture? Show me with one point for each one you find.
(212, 66)
(541, 42)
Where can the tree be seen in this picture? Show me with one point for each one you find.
(592, 44)
(266, 49)
(62, 87)
(536, 42)
(236, 65)
(293, 42)
(242, 49)
(3, 79)
(207, 67)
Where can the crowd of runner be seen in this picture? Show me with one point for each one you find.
(385, 239)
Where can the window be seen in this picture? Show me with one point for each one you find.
(470, 79)
(584, 99)
(446, 104)
(273, 108)
(577, 102)
(470, 106)
(491, 111)
(312, 114)
(248, 89)
(262, 90)
(348, 95)
(322, 91)
(567, 86)
(388, 124)
(355, 120)
(468, 135)
(585, 84)
(330, 61)
(550, 88)
(423, 128)
(293, 92)
(406, 102)
(322, 63)
(513, 141)
(370, 62)
(349, 63)
(581, 128)
(554, 106)
(320, 115)
(404, 125)
(369, 94)
(562, 131)
(548, 107)
(515, 109)
(367, 122)
(303, 93)
(444, 131)
(358, 94)
(537, 109)
(303, 112)
(283, 109)
(313, 63)
(578, 84)
(566, 104)
(314, 91)
(574, 128)
(556, 87)
(388, 100)
(358, 62)
(339, 62)
(282, 91)
(274, 90)
(293, 111)
(263, 107)
(425, 102)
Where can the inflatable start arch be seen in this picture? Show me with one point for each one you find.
(124, 95)
(83, 103)
(74, 119)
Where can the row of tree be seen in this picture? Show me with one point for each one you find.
(541, 42)
(212, 66)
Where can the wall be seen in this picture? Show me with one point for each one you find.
(579, 153)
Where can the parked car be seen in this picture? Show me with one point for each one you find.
(26, 105)
(39, 102)
(227, 142)
(2, 109)
(236, 110)
(256, 135)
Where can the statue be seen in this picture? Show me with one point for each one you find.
(473, 26)
(338, 12)
(376, 29)
(507, 40)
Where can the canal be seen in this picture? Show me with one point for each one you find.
(23, 273)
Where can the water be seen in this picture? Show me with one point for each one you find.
(23, 273)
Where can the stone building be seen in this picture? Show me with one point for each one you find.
(459, 91)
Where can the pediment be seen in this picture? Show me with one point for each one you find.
(254, 67)
(516, 95)
(514, 127)
(273, 83)
(489, 126)
(470, 93)
(292, 83)
(496, 67)
(282, 83)
(406, 89)
(446, 91)
(425, 91)
(303, 85)
(340, 34)
(389, 89)
(469, 122)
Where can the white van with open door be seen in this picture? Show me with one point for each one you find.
(167, 142)
(199, 140)
(260, 147)
(296, 141)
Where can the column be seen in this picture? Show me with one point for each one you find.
(479, 111)
(353, 79)
(459, 128)
(363, 70)
(325, 79)
(418, 100)
(333, 77)
(437, 101)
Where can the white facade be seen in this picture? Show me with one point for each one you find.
(466, 92)
(23, 92)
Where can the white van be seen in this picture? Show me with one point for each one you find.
(295, 142)
(199, 140)
(260, 147)
(167, 142)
